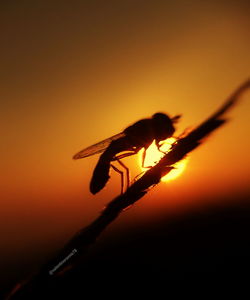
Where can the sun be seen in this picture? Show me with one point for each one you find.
(153, 155)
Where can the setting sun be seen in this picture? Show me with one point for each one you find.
(153, 155)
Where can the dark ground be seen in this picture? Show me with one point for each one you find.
(208, 248)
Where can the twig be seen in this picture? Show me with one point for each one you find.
(78, 244)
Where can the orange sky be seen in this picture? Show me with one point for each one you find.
(73, 74)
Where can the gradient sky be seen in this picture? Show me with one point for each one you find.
(76, 72)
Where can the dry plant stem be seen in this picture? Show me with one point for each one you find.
(152, 177)
(138, 189)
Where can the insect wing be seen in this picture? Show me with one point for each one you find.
(98, 147)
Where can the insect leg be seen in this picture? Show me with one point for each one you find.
(143, 157)
(122, 176)
(124, 155)
(126, 170)
(159, 148)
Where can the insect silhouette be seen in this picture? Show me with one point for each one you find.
(139, 135)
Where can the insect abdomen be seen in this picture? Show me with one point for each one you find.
(100, 176)
(101, 173)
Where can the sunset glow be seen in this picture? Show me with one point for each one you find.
(153, 155)
(76, 73)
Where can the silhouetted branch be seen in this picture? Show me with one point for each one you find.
(78, 244)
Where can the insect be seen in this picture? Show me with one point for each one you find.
(139, 135)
